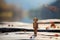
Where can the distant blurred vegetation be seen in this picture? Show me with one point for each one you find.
(9, 12)
(51, 11)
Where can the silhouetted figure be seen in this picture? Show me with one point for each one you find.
(53, 25)
(35, 26)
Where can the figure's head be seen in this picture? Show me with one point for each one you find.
(35, 19)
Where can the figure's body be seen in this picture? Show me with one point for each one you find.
(35, 26)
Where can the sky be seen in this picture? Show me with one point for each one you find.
(28, 4)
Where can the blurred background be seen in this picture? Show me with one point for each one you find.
(26, 10)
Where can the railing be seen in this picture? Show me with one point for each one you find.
(36, 23)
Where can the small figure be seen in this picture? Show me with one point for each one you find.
(35, 26)
(53, 25)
